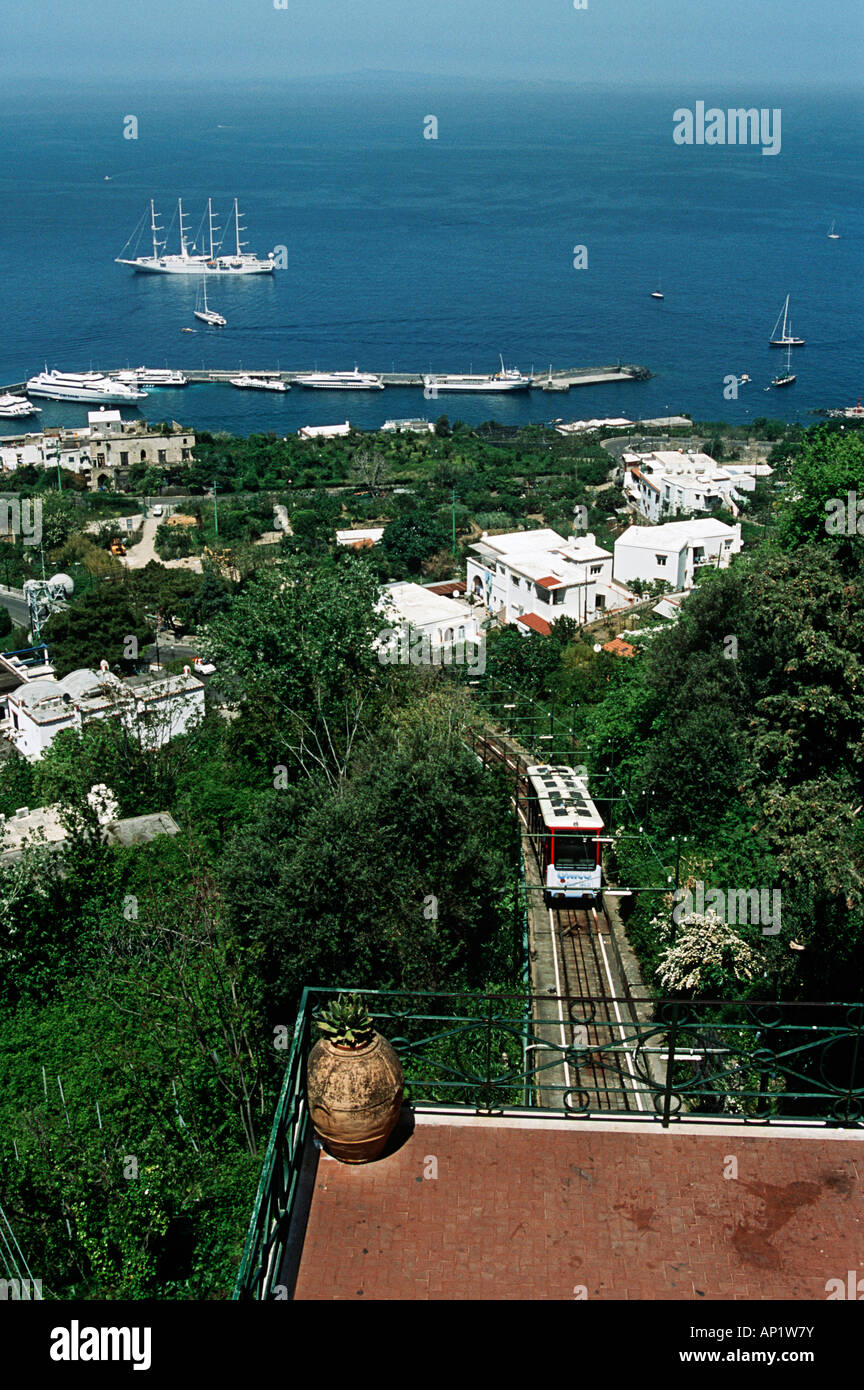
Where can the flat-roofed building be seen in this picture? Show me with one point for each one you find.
(669, 482)
(540, 573)
(157, 708)
(676, 551)
(421, 613)
(103, 451)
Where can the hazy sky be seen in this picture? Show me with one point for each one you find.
(640, 42)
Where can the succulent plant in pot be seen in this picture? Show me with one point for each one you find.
(354, 1082)
(347, 1023)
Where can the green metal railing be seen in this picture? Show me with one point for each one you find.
(659, 1061)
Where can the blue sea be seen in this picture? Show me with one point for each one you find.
(412, 254)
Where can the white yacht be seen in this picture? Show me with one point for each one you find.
(205, 314)
(341, 381)
(508, 379)
(13, 407)
(190, 261)
(83, 386)
(151, 376)
(786, 339)
(259, 383)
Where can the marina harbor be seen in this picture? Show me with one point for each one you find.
(431, 383)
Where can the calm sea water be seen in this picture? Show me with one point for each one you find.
(412, 254)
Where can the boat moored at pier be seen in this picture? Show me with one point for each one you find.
(152, 376)
(258, 383)
(83, 386)
(15, 407)
(341, 381)
(508, 379)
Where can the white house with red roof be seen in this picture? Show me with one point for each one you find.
(533, 578)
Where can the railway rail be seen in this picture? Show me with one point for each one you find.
(584, 1018)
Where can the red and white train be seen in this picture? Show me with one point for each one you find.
(566, 828)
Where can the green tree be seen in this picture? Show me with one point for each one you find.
(97, 627)
(413, 538)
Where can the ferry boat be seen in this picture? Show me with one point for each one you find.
(188, 261)
(341, 381)
(785, 339)
(258, 383)
(83, 386)
(13, 407)
(151, 376)
(508, 379)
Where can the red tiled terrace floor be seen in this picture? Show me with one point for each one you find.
(539, 1212)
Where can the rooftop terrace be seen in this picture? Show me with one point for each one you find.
(629, 1148)
(470, 1208)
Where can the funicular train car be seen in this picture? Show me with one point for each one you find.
(566, 829)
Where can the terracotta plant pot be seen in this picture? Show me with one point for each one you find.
(355, 1096)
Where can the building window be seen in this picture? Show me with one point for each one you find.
(124, 457)
(516, 582)
(543, 595)
(184, 453)
(559, 596)
(599, 601)
(596, 569)
(661, 559)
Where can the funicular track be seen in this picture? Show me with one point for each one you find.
(583, 1020)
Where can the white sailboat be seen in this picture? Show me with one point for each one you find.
(658, 293)
(785, 339)
(203, 313)
(788, 377)
(188, 261)
(832, 235)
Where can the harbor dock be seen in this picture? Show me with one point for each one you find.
(561, 380)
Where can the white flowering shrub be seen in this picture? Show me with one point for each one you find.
(707, 956)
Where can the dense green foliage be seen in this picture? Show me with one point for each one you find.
(330, 831)
(335, 830)
(736, 738)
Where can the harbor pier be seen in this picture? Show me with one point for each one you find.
(561, 380)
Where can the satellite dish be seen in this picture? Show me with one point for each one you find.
(64, 580)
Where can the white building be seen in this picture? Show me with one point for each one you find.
(669, 481)
(362, 539)
(416, 426)
(103, 450)
(324, 431)
(583, 426)
(532, 578)
(47, 827)
(675, 551)
(442, 620)
(156, 708)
